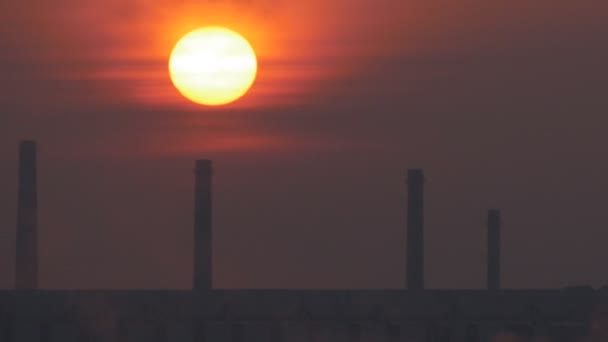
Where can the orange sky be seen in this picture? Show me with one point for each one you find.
(118, 49)
(302, 46)
(128, 42)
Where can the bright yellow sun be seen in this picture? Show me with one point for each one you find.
(212, 66)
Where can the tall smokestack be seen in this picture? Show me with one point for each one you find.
(415, 233)
(202, 225)
(493, 271)
(26, 260)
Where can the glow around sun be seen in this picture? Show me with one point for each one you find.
(213, 66)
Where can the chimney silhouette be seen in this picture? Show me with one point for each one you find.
(26, 260)
(415, 232)
(493, 256)
(202, 226)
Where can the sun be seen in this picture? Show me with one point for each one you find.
(213, 66)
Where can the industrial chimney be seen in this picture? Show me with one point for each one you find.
(26, 260)
(415, 232)
(202, 226)
(493, 256)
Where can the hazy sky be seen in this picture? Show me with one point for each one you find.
(502, 103)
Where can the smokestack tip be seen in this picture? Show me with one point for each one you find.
(494, 212)
(27, 145)
(202, 165)
(414, 175)
(493, 215)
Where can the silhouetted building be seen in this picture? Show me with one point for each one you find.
(26, 260)
(202, 226)
(415, 230)
(493, 272)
